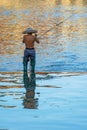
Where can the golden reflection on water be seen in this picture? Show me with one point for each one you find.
(42, 15)
(65, 2)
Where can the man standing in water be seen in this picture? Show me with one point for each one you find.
(29, 53)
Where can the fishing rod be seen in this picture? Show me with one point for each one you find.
(57, 24)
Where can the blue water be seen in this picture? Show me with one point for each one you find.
(59, 102)
(63, 49)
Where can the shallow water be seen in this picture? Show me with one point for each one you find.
(59, 102)
(63, 49)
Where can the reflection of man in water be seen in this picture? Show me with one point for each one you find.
(30, 102)
(29, 52)
(29, 82)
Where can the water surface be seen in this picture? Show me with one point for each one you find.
(60, 102)
(63, 49)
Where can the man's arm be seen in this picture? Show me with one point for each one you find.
(36, 39)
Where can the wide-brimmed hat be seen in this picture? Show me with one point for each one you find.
(29, 30)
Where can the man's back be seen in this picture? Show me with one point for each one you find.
(29, 40)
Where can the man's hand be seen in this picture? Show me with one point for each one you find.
(35, 35)
(36, 39)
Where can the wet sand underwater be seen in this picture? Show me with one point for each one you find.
(60, 102)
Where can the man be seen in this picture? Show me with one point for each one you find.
(29, 53)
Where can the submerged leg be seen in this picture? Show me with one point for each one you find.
(25, 62)
(25, 74)
(32, 64)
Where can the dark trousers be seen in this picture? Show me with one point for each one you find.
(29, 82)
(29, 55)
